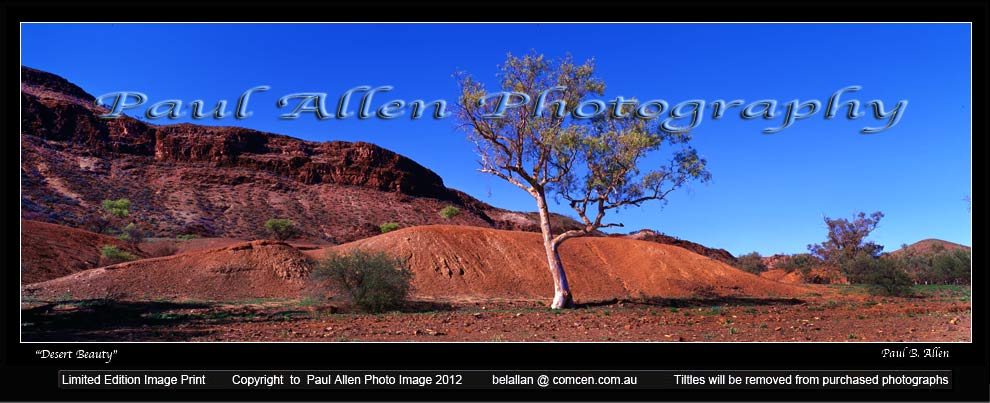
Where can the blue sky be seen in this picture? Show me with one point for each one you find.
(768, 192)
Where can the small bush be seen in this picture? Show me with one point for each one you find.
(118, 208)
(388, 227)
(450, 212)
(752, 263)
(186, 237)
(281, 229)
(881, 275)
(114, 254)
(374, 282)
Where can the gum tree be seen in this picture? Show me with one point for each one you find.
(847, 239)
(592, 165)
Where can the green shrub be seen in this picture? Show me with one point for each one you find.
(881, 275)
(373, 282)
(281, 229)
(186, 237)
(118, 208)
(751, 262)
(388, 227)
(114, 254)
(450, 212)
(937, 266)
(952, 267)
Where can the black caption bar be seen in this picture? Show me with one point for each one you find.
(525, 379)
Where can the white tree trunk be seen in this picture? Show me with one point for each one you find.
(562, 297)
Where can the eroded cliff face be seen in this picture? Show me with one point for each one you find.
(56, 110)
(221, 181)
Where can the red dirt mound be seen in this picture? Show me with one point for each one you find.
(452, 263)
(259, 269)
(469, 263)
(49, 250)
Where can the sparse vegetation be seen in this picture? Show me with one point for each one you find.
(881, 275)
(187, 237)
(112, 213)
(751, 262)
(449, 212)
(132, 234)
(119, 208)
(388, 227)
(860, 260)
(937, 266)
(373, 282)
(281, 229)
(115, 254)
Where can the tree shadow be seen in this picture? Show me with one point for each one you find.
(109, 320)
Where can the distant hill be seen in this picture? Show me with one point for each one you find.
(929, 245)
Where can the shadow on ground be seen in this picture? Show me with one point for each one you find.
(109, 320)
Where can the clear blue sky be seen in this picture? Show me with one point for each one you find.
(768, 193)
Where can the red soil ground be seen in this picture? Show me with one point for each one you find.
(938, 317)
(49, 251)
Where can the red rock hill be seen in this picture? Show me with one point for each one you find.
(221, 181)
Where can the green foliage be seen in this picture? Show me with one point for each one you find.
(186, 237)
(751, 262)
(450, 212)
(952, 267)
(596, 164)
(119, 208)
(373, 282)
(881, 275)
(114, 254)
(388, 227)
(281, 229)
(802, 261)
(847, 239)
(937, 266)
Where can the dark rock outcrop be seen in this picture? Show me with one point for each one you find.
(721, 255)
(221, 181)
